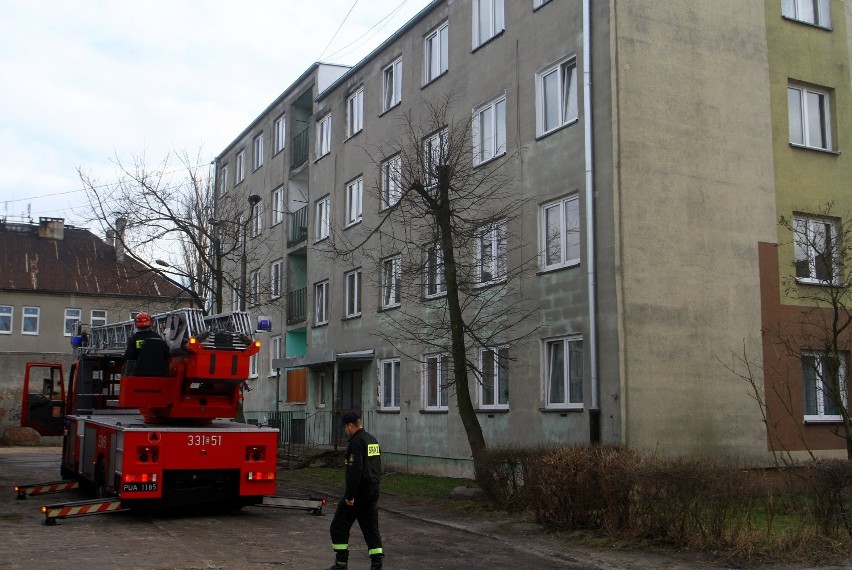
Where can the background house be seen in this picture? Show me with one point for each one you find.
(54, 276)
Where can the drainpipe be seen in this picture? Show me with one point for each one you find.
(594, 407)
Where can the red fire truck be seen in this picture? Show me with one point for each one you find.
(160, 435)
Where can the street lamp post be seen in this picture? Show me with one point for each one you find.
(253, 200)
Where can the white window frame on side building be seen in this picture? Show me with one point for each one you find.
(322, 218)
(809, 116)
(817, 13)
(276, 278)
(391, 189)
(391, 282)
(354, 197)
(818, 404)
(389, 396)
(815, 249)
(556, 96)
(435, 373)
(72, 317)
(280, 130)
(489, 130)
(277, 210)
(488, 20)
(436, 53)
(355, 113)
(562, 387)
(258, 151)
(491, 253)
(352, 294)
(392, 85)
(493, 388)
(98, 318)
(560, 240)
(321, 300)
(240, 173)
(324, 136)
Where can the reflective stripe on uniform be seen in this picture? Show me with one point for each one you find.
(374, 551)
(340, 546)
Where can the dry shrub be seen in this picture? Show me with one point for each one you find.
(693, 501)
(504, 472)
(584, 487)
(829, 486)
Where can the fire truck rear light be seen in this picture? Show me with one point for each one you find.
(261, 476)
(140, 477)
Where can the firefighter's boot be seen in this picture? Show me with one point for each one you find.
(376, 561)
(341, 560)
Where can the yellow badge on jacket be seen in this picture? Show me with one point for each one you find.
(372, 449)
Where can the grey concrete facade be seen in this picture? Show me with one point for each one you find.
(682, 193)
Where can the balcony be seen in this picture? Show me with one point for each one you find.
(297, 305)
(297, 230)
(300, 148)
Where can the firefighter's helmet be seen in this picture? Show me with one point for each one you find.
(143, 320)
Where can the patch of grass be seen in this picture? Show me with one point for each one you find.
(402, 485)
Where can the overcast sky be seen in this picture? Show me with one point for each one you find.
(83, 81)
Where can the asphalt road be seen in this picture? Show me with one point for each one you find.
(252, 538)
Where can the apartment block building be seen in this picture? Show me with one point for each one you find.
(648, 154)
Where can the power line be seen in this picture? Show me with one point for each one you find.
(338, 29)
(383, 22)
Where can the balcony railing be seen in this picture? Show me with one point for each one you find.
(297, 305)
(298, 230)
(300, 148)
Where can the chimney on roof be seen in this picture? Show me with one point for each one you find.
(120, 224)
(51, 228)
(110, 237)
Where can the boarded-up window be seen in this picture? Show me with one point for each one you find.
(297, 382)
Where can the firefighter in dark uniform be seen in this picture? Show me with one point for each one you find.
(137, 341)
(361, 498)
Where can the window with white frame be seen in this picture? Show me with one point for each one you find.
(392, 85)
(274, 352)
(434, 154)
(539, 3)
(322, 218)
(254, 288)
(487, 20)
(809, 117)
(355, 113)
(556, 96)
(491, 253)
(559, 224)
(824, 383)
(6, 314)
(240, 173)
(816, 249)
(391, 281)
(321, 299)
(279, 129)
(224, 180)
(494, 383)
(436, 52)
(276, 277)
(257, 220)
(352, 294)
(489, 130)
(253, 364)
(435, 381)
(277, 206)
(72, 317)
(98, 318)
(258, 151)
(354, 192)
(324, 136)
(433, 272)
(563, 372)
(816, 12)
(389, 384)
(391, 189)
(30, 320)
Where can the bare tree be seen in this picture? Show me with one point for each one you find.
(448, 264)
(163, 217)
(806, 372)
